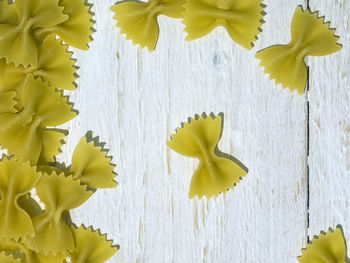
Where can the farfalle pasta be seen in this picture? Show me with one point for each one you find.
(242, 19)
(327, 247)
(25, 132)
(138, 20)
(310, 36)
(48, 235)
(198, 138)
(60, 194)
(16, 180)
(34, 67)
(25, 24)
(76, 31)
(54, 65)
(90, 164)
(91, 246)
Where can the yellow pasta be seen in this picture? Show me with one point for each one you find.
(327, 247)
(77, 30)
(242, 19)
(59, 194)
(91, 246)
(8, 101)
(310, 36)
(26, 255)
(16, 180)
(34, 66)
(24, 132)
(25, 24)
(54, 65)
(19, 41)
(8, 258)
(216, 172)
(138, 20)
(91, 165)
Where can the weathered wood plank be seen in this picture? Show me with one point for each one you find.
(137, 100)
(330, 126)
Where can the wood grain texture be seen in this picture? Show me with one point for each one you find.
(329, 97)
(135, 99)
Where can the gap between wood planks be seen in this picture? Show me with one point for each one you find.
(307, 146)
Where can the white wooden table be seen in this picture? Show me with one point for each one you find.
(135, 99)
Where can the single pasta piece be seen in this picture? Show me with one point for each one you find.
(16, 180)
(25, 133)
(310, 36)
(327, 247)
(91, 246)
(217, 172)
(77, 30)
(138, 20)
(25, 24)
(242, 19)
(60, 194)
(90, 164)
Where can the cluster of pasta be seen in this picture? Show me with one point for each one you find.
(36, 192)
(242, 19)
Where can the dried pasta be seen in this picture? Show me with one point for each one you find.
(138, 20)
(35, 67)
(16, 180)
(25, 24)
(91, 165)
(54, 65)
(76, 31)
(59, 194)
(216, 172)
(327, 247)
(242, 19)
(91, 246)
(310, 36)
(25, 227)
(8, 258)
(24, 132)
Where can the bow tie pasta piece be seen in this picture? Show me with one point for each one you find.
(91, 164)
(54, 65)
(199, 139)
(24, 134)
(91, 246)
(19, 39)
(242, 19)
(310, 36)
(59, 194)
(138, 20)
(327, 247)
(16, 180)
(77, 30)
(8, 258)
